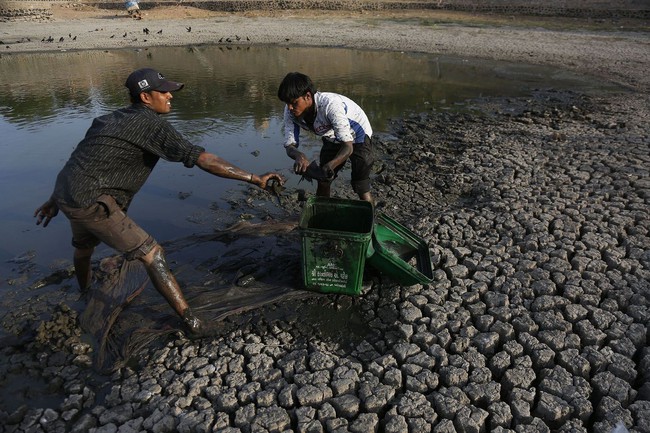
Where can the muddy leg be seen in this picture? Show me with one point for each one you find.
(166, 284)
(163, 279)
(82, 267)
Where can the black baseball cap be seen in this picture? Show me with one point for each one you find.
(146, 79)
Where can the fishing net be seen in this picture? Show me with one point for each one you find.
(221, 274)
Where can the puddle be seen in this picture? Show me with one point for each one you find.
(229, 106)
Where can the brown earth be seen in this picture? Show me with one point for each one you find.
(80, 11)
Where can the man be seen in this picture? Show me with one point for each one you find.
(345, 130)
(133, 9)
(110, 165)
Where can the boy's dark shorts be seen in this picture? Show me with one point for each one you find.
(105, 221)
(362, 159)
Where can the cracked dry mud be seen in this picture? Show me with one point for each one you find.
(536, 213)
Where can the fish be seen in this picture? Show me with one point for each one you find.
(275, 188)
(315, 171)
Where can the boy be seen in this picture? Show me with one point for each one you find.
(343, 126)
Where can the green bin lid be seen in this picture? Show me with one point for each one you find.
(399, 253)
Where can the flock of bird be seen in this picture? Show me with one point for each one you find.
(145, 30)
(61, 39)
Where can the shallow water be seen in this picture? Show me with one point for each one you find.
(229, 106)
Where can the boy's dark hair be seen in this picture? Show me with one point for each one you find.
(294, 85)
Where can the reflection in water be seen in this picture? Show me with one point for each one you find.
(240, 85)
(229, 105)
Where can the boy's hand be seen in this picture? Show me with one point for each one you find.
(328, 171)
(301, 163)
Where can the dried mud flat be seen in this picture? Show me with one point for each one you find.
(536, 213)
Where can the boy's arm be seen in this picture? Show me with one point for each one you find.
(301, 162)
(343, 154)
(291, 135)
(335, 112)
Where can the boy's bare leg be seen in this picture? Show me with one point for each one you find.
(367, 197)
(323, 189)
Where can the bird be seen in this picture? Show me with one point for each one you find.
(145, 31)
(237, 37)
(124, 35)
(159, 32)
(220, 40)
(189, 29)
(61, 39)
(228, 40)
(69, 35)
(247, 38)
(112, 36)
(75, 38)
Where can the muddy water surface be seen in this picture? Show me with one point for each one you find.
(229, 106)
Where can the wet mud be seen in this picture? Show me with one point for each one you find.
(535, 211)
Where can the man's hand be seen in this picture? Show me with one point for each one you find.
(262, 181)
(46, 212)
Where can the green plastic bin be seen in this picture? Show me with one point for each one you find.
(399, 253)
(335, 235)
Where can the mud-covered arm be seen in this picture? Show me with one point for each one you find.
(218, 166)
